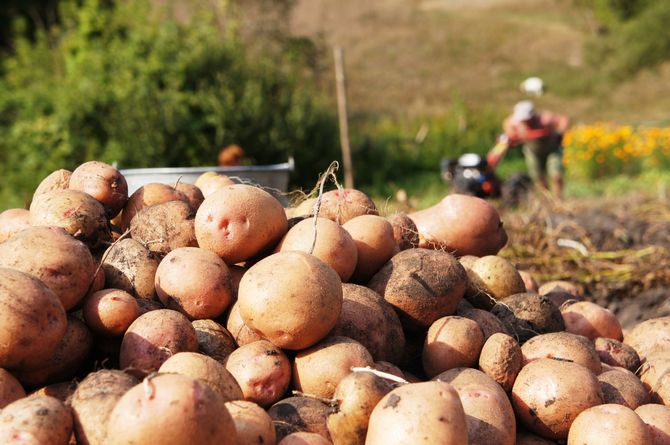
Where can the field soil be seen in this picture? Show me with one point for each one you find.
(617, 249)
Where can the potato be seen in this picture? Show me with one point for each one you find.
(657, 418)
(147, 196)
(10, 388)
(214, 340)
(81, 215)
(295, 308)
(527, 438)
(33, 321)
(462, 225)
(492, 278)
(242, 333)
(318, 369)
(370, 320)
(210, 182)
(262, 370)
(56, 180)
(591, 320)
(649, 336)
(344, 204)
(93, 400)
(304, 438)
(356, 395)
(452, 342)
(562, 346)
(36, 420)
(527, 315)
(13, 221)
(295, 414)
(609, 424)
(333, 244)
(192, 192)
(195, 282)
(373, 237)
(655, 376)
(616, 353)
(489, 323)
(489, 414)
(529, 281)
(131, 267)
(210, 371)
(622, 387)
(62, 391)
(426, 412)
(405, 232)
(561, 286)
(501, 359)
(252, 423)
(422, 285)
(61, 262)
(154, 337)
(171, 409)
(110, 312)
(103, 182)
(239, 222)
(548, 394)
(164, 227)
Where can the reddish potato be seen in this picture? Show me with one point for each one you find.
(10, 388)
(110, 312)
(649, 336)
(404, 231)
(591, 320)
(452, 342)
(562, 346)
(103, 182)
(609, 424)
(39, 420)
(622, 387)
(13, 221)
(147, 196)
(304, 438)
(657, 418)
(373, 237)
(501, 359)
(616, 353)
(252, 423)
(210, 182)
(57, 180)
(344, 204)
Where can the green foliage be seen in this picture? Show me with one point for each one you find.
(131, 84)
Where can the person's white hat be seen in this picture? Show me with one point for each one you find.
(523, 111)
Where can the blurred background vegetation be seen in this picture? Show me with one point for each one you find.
(149, 83)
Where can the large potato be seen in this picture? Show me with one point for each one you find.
(657, 418)
(527, 315)
(562, 346)
(492, 278)
(131, 267)
(422, 285)
(622, 387)
(147, 196)
(239, 221)
(609, 424)
(39, 420)
(649, 336)
(292, 298)
(591, 320)
(102, 181)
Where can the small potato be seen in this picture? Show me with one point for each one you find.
(616, 353)
(452, 342)
(295, 414)
(131, 267)
(239, 222)
(192, 193)
(39, 420)
(252, 423)
(154, 337)
(304, 438)
(195, 282)
(529, 281)
(110, 312)
(562, 346)
(501, 359)
(657, 418)
(319, 369)
(102, 181)
(561, 286)
(493, 278)
(527, 315)
(242, 333)
(262, 370)
(345, 204)
(210, 371)
(147, 196)
(210, 182)
(62, 391)
(622, 387)
(57, 180)
(609, 424)
(404, 231)
(164, 227)
(591, 320)
(10, 388)
(373, 237)
(13, 221)
(214, 340)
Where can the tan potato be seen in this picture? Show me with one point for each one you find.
(616, 353)
(295, 414)
(655, 376)
(370, 320)
(373, 237)
(56, 180)
(501, 359)
(33, 320)
(13, 221)
(214, 340)
(61, 262)
(609, 424)
(422, 285)
(164, 227)
(110, 312)
(649, 336)
(93, 400)
(252, 423)
(622, 387)
(427, 412)
(262, 370)
(405, 232)
(591, 320)
(171, 409)
(562, 346)
(452, 342)
(242, 333)
(305, 438)
(147, 196)
(210, 182)
(344, 204)
(192, 192)
(529, 281)
(81, 215)
(492, 278)
(657, 418)
(154, 337)
(195, 282)
(462, 225)
(527, 315)
(549, 394)
(39, 420)
(102, 181)
(131, 267)
(296, 308)
(319, 369)
(356, 395)
(10, 388)
(239, 222)
(210, 371)
(333, 244)
(489, 323)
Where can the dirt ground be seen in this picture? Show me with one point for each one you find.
(616, 249)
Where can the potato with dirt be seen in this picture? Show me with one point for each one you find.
(616, 353)
(526, 315)
(341, 205)
(501, 359)
(102, 181)
(622, 387)
(404, 231)
(214, 340)
(131, 267)
(146, 196)
(39, 420)
(164, 227)
(295, 414)
(56, 180)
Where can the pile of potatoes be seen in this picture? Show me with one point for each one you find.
(208, 313)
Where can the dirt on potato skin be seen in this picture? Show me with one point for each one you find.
(617, 249)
